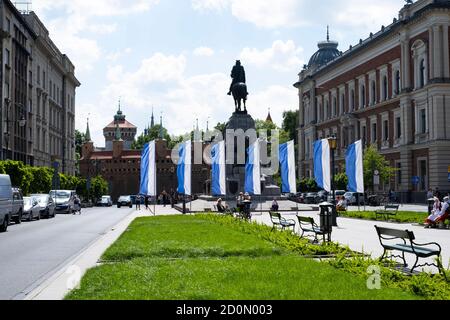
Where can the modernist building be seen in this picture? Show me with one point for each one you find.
(38, 83)
(391, 90)
(121, 166)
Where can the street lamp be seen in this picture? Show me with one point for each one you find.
(333, 146)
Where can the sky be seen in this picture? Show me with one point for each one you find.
(176, 56)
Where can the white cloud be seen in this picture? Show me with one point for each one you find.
(282, 56)
(209, 5)
(74, 32)
(203, 52)
(116, 55)
(161, 81)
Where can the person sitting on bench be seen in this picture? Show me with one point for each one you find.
(439, 216)
(221, 207)
(275, 206)
(342, 204)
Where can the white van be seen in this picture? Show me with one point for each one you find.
(64, 200)
(6, 200)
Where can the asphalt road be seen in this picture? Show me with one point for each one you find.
(32, 251)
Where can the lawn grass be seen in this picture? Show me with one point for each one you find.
(401, 217)
(196, 258)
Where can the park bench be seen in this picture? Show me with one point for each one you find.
(390, 210)
(307, 225)
(404, 241)
(279, 222)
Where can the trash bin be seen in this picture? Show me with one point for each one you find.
(326, 219)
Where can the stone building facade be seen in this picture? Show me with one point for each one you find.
(121, 166)
(391, 90)
(38, 93)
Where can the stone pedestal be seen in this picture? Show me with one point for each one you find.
(240, 133)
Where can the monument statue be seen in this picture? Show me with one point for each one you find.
(238, 87)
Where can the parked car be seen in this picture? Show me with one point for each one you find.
(45, 205)
(124, 201)
(64, 200)
(312, 198)
(17, 206)
(322, 194)
(30, 209)
(298, 197)
(6, 199)
(105, 201)
(352, 198)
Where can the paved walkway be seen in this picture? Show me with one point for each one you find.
(361, 236)
(403, 207)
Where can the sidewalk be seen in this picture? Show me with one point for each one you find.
(403, 207)
(360, 235)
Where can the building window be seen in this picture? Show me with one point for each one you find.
(7, 58)
(398, 127)
(374, 132)
(399, 173)
(397, 82)
(423, 121)
(362, 97)
(334, 106)
(352, 100)
(423, 174)
(364, 135)
(374, 92)
(385, 130)
(341, 108)
(422, 73)
(385, 88)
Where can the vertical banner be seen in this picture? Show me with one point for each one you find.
(218, 179)
(322, 166)
(253, 170)
(148, 170)
(354, 167)
(287, 164)
(184, 168)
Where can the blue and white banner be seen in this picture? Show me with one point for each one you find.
(354, 167)
(322, 166)
(253, 170)
(218, 179)
(287, 163)
(148, 170)
(184, 168)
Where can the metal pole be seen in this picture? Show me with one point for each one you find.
(333, 187)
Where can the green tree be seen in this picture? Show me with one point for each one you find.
(290, 124)
(99, 187)
(151, 135)
(373, 161)
(341, 181)
(307, 185)
(20, 174)
(41, 180)
(80, 139)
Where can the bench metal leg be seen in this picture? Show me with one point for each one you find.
(404, 260)
(415, 264)
(384, 254)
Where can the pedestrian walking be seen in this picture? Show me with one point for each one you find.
(146, 202)
(138, 202)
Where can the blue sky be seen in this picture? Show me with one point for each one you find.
(176, 55)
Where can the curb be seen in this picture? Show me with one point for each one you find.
(69, 276)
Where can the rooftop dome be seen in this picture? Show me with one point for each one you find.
(327, 52)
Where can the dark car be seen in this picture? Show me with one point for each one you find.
(45, 205)
(312, 198)
(30, 211)
(323, 196)
(124, 201)
(17, 206)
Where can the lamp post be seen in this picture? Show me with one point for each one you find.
(333, 146)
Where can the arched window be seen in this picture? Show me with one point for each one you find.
(363, 96)
(385, 88)
(341, 108)
(422, 73)
(334, 107)
(352, 100)
(374, 93)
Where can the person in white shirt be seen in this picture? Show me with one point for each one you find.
(438, 215)
(342, 204)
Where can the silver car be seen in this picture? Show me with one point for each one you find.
(30, 209)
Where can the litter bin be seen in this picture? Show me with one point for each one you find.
(326, 219)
